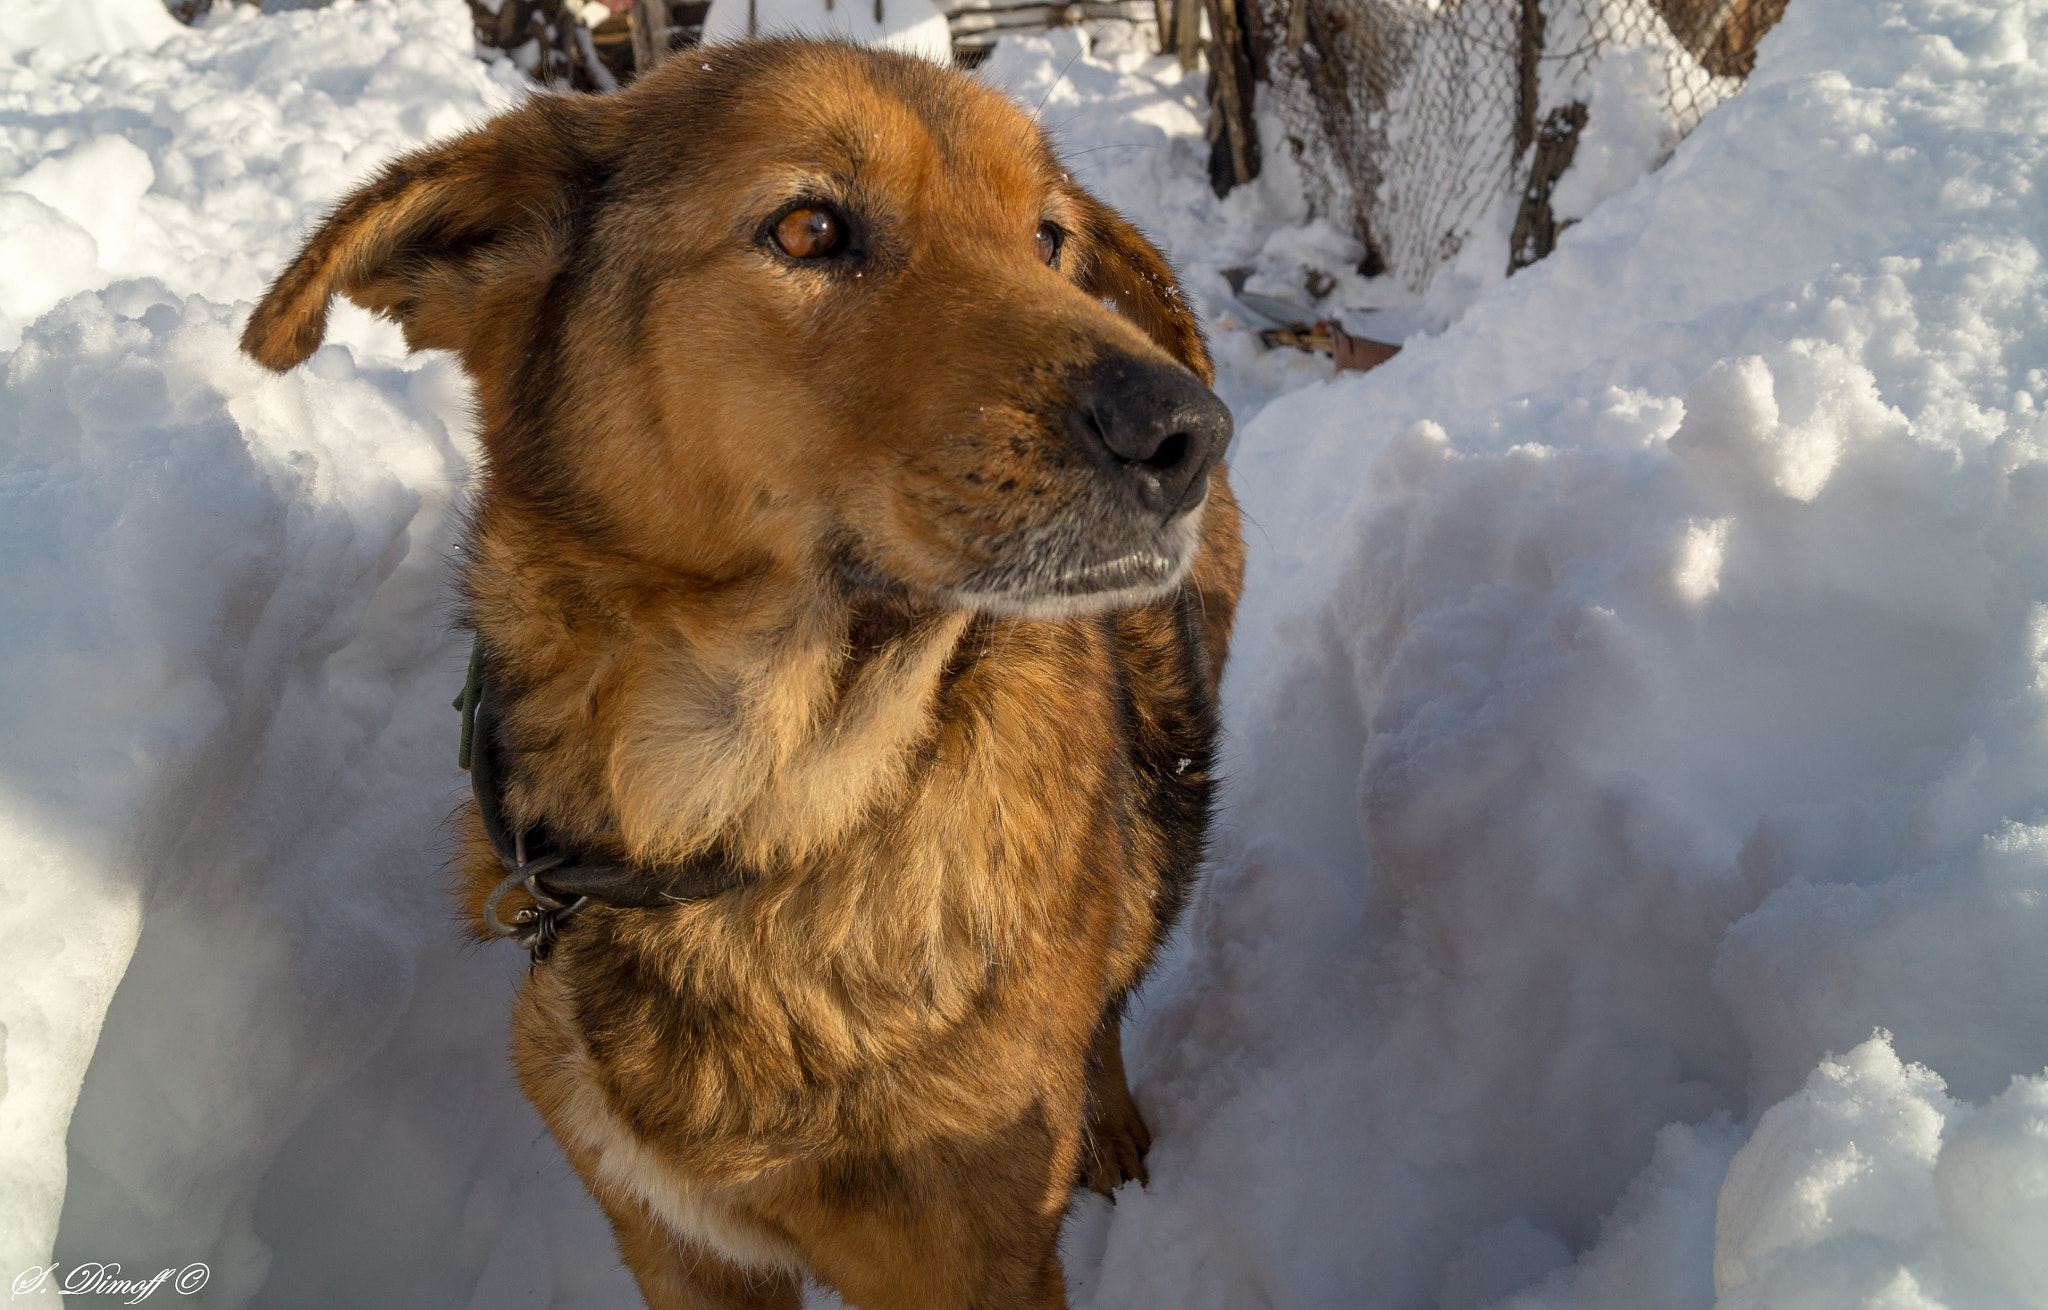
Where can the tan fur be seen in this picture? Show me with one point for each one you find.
(745, 559)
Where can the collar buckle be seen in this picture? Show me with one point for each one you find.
(534, 926)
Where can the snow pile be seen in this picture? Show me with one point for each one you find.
(199, 164)
(1626, 133)
(1871, 1183)
(217, 718)
(49, 33)
(228, 659)
(1641, 695)
(1639, 703)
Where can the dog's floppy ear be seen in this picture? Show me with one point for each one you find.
(420, 242)
(1120, 266)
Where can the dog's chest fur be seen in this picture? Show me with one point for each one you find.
(996, 811)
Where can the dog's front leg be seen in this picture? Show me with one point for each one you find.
(1113, 1150)
(954, 1223)
(677, 1274)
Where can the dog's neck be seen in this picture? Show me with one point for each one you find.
(658, 716)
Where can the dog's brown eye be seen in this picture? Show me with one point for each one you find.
(1048, 241)
(808, 233)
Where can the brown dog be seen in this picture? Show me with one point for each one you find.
(853, 567)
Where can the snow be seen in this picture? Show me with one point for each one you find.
(916, 27)
(1632, 888)
(1626, 133)
(49, 33)
(1639, 697)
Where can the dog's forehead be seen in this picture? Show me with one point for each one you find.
(882, 118)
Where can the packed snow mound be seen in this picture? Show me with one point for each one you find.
(239, 647)
(50, 33)
(200, 163)
(1642, 692)
(1630, 892)
(229, 649)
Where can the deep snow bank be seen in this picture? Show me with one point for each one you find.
(227, 652)
(1640, 696)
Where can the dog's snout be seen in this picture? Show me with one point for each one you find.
(1154, 426)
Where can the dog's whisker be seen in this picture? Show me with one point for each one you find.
(1115, 145)
(1246, 515)
(1054, 86)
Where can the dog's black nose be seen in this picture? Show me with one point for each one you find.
(1153, 425)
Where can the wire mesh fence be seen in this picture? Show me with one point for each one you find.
(1418, 121)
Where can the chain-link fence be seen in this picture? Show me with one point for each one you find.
(1417, 121)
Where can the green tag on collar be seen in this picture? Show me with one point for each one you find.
(466, 702)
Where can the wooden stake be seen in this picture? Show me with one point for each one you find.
(1187, 32)
(650, 19)
(1234, 156)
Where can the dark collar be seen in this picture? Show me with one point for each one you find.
(560, 879)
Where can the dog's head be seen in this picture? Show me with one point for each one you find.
(799, 304)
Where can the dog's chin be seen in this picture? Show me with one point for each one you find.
(1060, 588)
(1067, 600)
